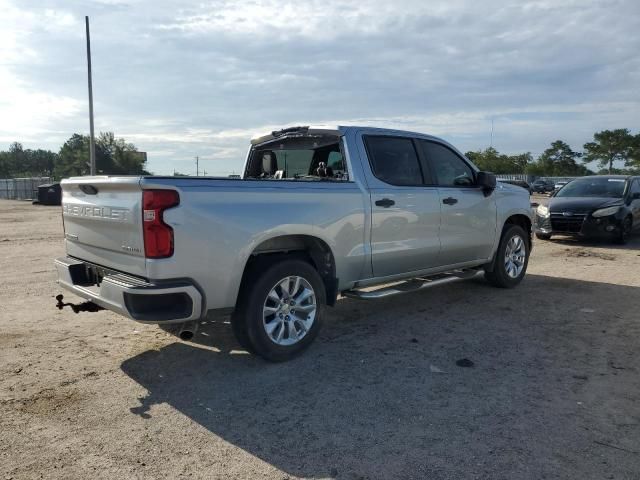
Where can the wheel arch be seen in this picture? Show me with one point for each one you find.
(308, 247)
(519, 219)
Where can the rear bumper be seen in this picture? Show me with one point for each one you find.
(166, 302)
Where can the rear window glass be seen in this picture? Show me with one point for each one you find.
(299, 158)
(294, 162)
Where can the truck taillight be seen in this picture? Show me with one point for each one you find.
(158, 236)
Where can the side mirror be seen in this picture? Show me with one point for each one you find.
(487, 181)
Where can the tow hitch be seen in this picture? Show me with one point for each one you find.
(78, 307)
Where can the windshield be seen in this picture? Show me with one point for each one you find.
(594, 187)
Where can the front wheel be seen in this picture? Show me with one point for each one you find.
(282, 309)
(511, 260)
(625, 231)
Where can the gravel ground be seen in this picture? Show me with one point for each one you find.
(554, 391)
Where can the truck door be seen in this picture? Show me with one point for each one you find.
(405, 213)
(468, 226)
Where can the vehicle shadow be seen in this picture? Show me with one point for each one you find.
(632, 244)
(379, 394)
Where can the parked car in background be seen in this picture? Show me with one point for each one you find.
(542, 186)
(558, 185)
(518, 183)
(597, 206)
(318, 212)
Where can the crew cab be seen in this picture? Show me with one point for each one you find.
(319, 213)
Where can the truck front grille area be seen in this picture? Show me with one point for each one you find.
(567, 223)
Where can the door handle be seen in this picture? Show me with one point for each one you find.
(385, 202)
(450, 201)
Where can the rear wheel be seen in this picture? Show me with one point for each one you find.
(239, 328)
(511, 260)
(281, 311)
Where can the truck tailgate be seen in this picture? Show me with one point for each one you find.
(103, 221)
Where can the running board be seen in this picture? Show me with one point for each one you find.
(412, 285)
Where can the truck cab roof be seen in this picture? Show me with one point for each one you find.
(335, 130)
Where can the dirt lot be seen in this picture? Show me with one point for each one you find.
(554, 393)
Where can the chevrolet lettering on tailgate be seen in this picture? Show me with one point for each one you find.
(108, 213)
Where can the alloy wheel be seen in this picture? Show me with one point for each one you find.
(289, 310)
(515, 256)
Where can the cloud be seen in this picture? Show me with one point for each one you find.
(181, 79)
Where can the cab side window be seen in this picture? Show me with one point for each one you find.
(635, 187)
(448, 168)
(394, 160)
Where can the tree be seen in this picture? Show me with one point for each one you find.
(5, 170)
(124, 158)
(18, 162)
(73, 157)
(492, 161)
(521, 161)
(634, 154)
(16, 159)
(114, 156)
(610, 146)
(42, 162)
(559, 160)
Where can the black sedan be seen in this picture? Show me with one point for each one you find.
(606, 206)
(542, 186)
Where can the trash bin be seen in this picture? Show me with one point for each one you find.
(50, 194)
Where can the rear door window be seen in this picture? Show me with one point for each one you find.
(394, 160)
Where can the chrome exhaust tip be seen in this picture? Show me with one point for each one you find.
(188, 330)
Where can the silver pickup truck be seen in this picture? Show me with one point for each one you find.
(319, 212)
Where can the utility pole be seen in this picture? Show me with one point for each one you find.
(92, 142)
(491, 144)
(197, 166)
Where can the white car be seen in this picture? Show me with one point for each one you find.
(560, 184)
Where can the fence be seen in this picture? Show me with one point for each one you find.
(21, 188)
(516, 176)
(531, 178)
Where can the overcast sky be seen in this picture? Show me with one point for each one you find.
(181, 78)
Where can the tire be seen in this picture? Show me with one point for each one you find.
(507, 272)
(239, 328)
(625, 231)
(267, 323)
(543, 236)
